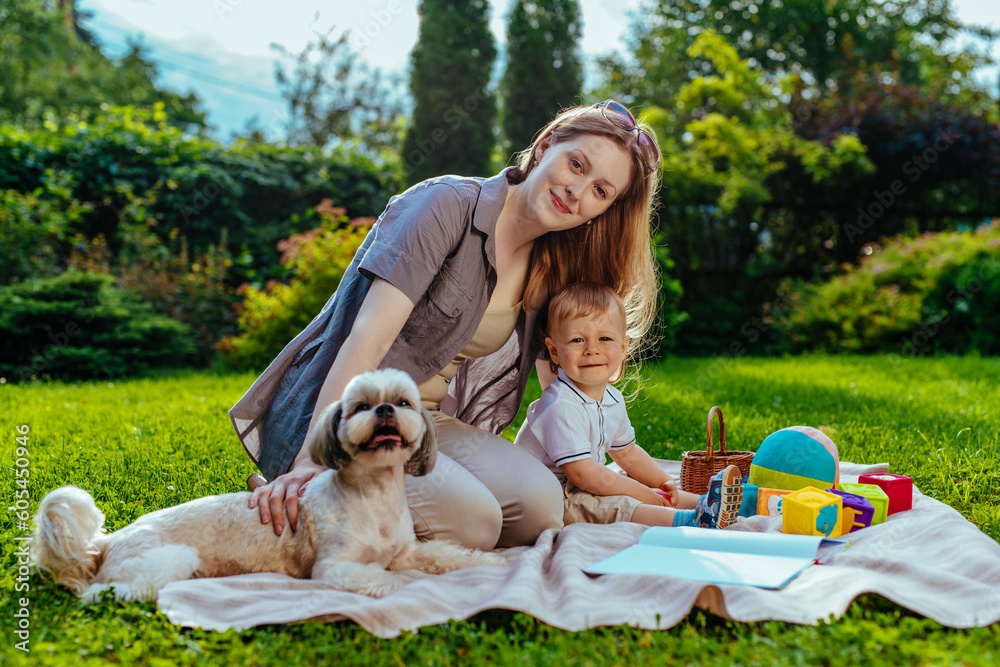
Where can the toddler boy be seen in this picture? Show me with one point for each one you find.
(581, 417)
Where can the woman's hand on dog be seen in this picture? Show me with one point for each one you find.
(281, 497)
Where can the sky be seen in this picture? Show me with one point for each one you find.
(221, 49)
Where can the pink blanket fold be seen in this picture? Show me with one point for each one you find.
(929, 559)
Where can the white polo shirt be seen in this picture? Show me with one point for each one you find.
(566, 425)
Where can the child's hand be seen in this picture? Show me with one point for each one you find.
(669, 491)
(660, 498)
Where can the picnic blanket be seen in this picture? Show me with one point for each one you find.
(929, 559)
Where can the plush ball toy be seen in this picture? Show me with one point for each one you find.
(794, 458)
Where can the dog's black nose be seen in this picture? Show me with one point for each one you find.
(384, 410)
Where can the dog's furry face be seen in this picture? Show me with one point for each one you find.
(377, 422)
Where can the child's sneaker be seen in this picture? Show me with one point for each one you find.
(730, 496)
(720, 506)
(700, 517)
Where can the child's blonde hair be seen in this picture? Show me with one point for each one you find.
(582, 299)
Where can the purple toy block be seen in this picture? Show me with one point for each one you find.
(864, 511)
(899, 488)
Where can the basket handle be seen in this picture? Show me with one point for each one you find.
(716, 410)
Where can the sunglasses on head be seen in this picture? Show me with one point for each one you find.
(618, 114)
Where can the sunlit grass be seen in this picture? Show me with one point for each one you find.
(143, 444)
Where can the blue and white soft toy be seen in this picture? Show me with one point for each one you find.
(794, 458)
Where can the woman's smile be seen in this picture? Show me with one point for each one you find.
(559, 204)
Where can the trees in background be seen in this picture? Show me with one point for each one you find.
(826, 44)
(792, 185)
(794, 136)
(178, 220)
(797, 133)
(544, 72)
(454, 107)
(127, 175)
(336, 99)
(52, 69)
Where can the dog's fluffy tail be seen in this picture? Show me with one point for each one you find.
(68, 525)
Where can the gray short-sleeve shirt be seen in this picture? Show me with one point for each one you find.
(434, 242)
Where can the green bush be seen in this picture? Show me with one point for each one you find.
(970, 295)
(936, 292)
(34, 227)
(189, 183)
(317, 260)
(79, 325)
(179, 220)
(191, 289)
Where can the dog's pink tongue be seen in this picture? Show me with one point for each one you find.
(382, 439)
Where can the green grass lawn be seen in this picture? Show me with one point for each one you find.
(140, 445)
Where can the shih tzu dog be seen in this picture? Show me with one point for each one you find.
(354, 528)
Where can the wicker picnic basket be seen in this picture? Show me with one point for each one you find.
(698, 467)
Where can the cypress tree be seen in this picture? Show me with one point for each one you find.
(544, 72)
(454, 107)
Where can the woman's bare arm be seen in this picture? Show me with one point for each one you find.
(380, 319)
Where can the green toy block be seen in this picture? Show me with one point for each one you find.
(876, 496)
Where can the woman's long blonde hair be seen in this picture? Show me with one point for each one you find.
(615, 249)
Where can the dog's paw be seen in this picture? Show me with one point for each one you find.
(366, 579)
(462, 558)
(379, 589)
(489, 558)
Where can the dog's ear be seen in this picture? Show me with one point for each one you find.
(324, 445)
(423, 460)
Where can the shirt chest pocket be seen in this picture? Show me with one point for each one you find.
(446, 301)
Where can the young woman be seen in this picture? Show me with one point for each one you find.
(449, 286)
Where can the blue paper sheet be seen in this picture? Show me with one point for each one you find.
(766, 560)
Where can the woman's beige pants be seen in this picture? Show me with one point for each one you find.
(484, 491)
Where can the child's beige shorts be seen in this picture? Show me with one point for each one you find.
(581, 506)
